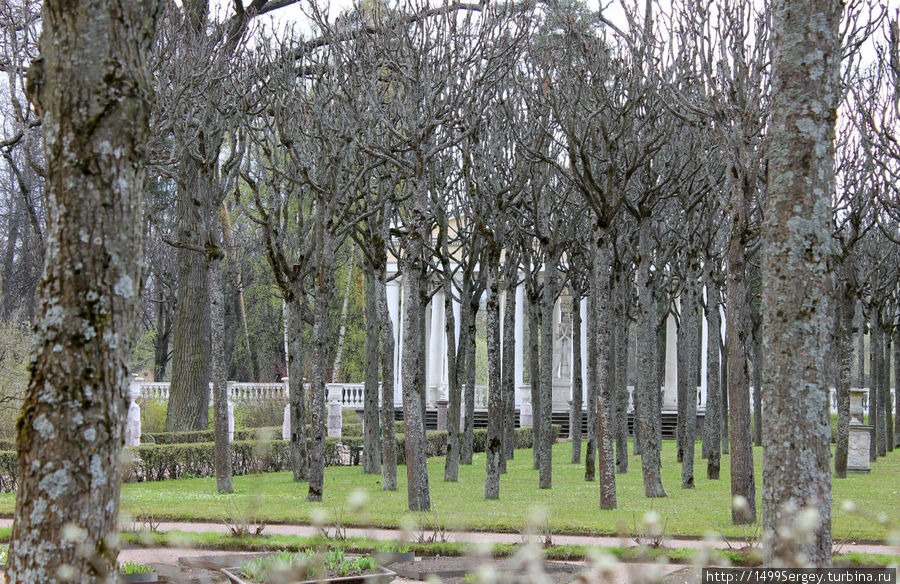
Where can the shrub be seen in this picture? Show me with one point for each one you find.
(153, 416)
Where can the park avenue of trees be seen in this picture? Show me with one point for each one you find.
(211, 182)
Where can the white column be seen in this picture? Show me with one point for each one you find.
(519, 360)
(584, 354)
(704, 365)
(393, 302)
(670, 389)
(436, 353)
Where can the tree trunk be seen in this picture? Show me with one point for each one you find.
(494, 443)
(324, 292)
(456, 358)
(688, 345)
(534, 357)
(188, 407)
(606, 462)
(509, 379)
(93, 82)
(757, 357)
(886, 392)
(577, 390)
(163, 334)
(860, 346)
(590, 454)
(842, 340)
(388, 440)
(623, 325)
(469, 422)
(874, 376)
(219, 379)
(796, 238)
(712, 422)
(647, 393)
(542, 419)
(342, 331)
(879, 381)
(371, 459)
(896, 387)
(297, 391)
(742, 484)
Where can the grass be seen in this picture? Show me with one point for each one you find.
(572, 504)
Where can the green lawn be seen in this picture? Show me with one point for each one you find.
(572, 503)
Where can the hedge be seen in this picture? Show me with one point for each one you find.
(180, 460)
(208, 436)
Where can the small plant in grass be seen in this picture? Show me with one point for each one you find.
(429, 527)
(244, 522)
(134, 568)
(649, 532)
(306, 564)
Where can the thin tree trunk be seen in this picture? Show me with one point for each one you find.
(342, 329)
(874, 375)
(495, 400)
(886, 392)
(861, 346)
(324, 291)
(457, 361)
(534, 352)
(896, 387)
(878, 381)
(647, 393)
(577, 390)
(742, 484)
(606, 462)
(756, 356)
(297, 391)
(388, 440)
(94, 86)
(623, 325)
(371, 459)
(689, 343)
(842, 340)
(509, 379)
(545, 436)
(469, 422)
(712, 426)
(219, 381)
(590, 454)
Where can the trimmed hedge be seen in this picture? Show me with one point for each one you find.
(208, 436)
(181, 460)
(355, 430)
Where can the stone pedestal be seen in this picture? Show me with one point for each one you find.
(334, 419)
(858, 448)
(133, 419)
(561, 396)
(442, 414)
(526, 416)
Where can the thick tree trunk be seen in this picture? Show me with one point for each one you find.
(606, 462)
(590, 454)
(742, 484)
(188, 407)
(509, 379)
(712, 422)
(324, 292)
(495, 399)
(796, 239)
(297, 392)
(577, 390)
(93, 83)
(542, 418)
(647, 391)
(388, 441)
(219, 378)
(371, 459)
(688, 346)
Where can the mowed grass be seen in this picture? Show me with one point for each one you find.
(573, 505)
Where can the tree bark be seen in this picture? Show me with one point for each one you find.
(469, 422)
(590, 454)
(188, 407)
(712, 422)
(542, 419)
(577, 390)
(297, 391)
(796, 240)
(647, 394)
(874, 376)
(456, 358)
(371, 460)
(219, 378)
(495, 399)
(509, 379)
(623, 325)
(534, 356)
(606, 462)
(688, 359)
(388, 440)
(886, 391)
(95, 95)
(896, 387)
